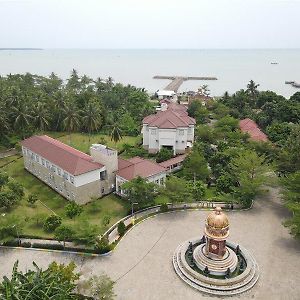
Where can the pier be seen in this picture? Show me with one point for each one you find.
(177, 81)
(293, 83)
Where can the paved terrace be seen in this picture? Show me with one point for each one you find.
(141, 264)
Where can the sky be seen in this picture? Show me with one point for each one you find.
(191, 24)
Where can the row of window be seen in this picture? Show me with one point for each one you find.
(180, 131)
(48, 165)
(49, 179)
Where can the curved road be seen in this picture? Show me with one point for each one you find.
(141, 263)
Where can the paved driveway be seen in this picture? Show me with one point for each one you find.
(141, 263)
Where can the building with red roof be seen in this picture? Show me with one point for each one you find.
(170, 128)
(72, 173)
(139, 167)
(249, 126)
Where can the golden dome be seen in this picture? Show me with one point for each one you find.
(217, 219)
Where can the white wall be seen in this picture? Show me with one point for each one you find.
(88, 177)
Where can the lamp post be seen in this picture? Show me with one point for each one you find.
(132, 219)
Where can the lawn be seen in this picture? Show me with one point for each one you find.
(49, 200)
(81, 141)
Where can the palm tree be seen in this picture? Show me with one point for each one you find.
(4, 125)
(116, 133)
(71, 121)
(22, 117)
(92, 119)
(252, 89)
(59, 107)
(41, 116)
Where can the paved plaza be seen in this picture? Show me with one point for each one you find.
(142, 262)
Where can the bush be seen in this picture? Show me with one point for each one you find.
(48, 246)
(121, 228)
(11, 243)
(26, 245)
(164, 208)
(73, 210)
(51, 223)
(163, 155)
(102, 246)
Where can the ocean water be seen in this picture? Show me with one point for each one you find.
(233, 68)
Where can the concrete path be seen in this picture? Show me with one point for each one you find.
(141, 264)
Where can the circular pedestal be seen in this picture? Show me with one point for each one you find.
(216, 266)
(240, 283)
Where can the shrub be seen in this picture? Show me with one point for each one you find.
(32, 198)
(51, 223)
(121, 228)
(102, 246)
(163, 155)
(73, 210)
(48, 246)
(11, 243)
(164, 208)
(26, 245)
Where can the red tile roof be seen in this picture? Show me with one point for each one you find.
(69, 159)
(249, 126)
(175, 160)
(137, 166)
(169, 119)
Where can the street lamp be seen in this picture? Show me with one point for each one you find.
(132, 219)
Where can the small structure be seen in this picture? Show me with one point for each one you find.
(166, 94)
(249, 126)
(213, 265)
(174, 164)
(137, 166)
(171, 128)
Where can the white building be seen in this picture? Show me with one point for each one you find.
(171, 128)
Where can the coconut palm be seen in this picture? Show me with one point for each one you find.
(92, 119)
(41, 117)
(4, 125)
(22, 116)
(59, 107)
(116, 133)
(252, 89)
(71, 121)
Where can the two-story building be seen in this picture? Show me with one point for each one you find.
(72, 173)
(171, 128)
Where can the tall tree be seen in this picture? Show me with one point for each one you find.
(41, 116)
(92, 119)
(116, 133)
(72, 118)
(22, 117)
(252, 91)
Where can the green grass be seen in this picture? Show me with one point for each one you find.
(93, 212)
(81, 141)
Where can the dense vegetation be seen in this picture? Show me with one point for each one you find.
(57, 282)
(30, 103)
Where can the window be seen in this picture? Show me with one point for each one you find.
(47, 164)
(53, 169)
(153, 131)
(66, 176)
(103, 175)
(24, 151)
(37, 158)
(72, 179)
(59, 171)
(181, 132)
(43, 162)
(189, 130)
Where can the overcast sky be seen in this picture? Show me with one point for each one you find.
(150, 23)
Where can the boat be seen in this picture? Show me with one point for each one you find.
(274, 63)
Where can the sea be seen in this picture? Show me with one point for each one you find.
(270, 68)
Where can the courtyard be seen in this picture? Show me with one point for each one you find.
(141, 264)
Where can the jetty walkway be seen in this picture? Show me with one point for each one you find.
(177, 81)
